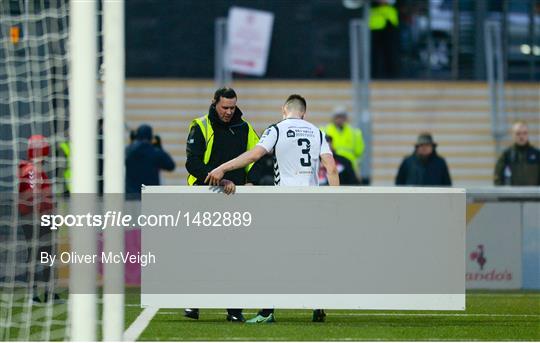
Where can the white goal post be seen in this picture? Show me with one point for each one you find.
(83, 116)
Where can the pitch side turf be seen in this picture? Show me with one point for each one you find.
(489, 316)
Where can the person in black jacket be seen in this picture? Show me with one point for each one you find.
(144, 160)
(347, 175)
(214, 139)
(424, 167)
(218, 137)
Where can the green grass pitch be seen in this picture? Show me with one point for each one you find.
(489, 316)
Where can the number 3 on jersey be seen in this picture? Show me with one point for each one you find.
(305, 162)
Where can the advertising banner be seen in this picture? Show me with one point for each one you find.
(248, 40)
(494, 246)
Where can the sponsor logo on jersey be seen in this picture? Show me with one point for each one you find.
(291, 134)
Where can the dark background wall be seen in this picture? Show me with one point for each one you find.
(175, 38)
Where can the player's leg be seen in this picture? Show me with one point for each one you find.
(47, 244)
(28, 231)
(318, 316)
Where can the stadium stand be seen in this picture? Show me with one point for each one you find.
(457, 113)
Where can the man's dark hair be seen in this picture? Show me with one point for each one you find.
(296, 102)
(225, 92)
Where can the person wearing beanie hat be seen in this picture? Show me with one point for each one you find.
(144, 132)
(424, 167)
(144, 160)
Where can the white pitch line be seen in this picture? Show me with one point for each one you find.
(133, 305)
(355, 339)
(402, 314)
(431, 315)
(138, 326)
(512, 295)
(406, 314)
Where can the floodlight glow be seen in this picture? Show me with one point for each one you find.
(525, 49)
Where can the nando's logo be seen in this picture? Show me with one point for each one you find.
(478, 255)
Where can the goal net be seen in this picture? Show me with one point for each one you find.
(35, 171)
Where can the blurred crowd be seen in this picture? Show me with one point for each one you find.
(146, 158)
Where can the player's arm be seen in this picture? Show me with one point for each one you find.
(331, 169)
(250, 156)
(328, 162)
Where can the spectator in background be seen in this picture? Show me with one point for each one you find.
(35, 197)
(519, 164)
(344, 168)
(384, 23)
(347, 141)
(145, 157)
(265, 171)
(424, 167)
(65, 150)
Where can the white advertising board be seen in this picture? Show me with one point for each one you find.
(494, 247)
(320, 247)
(248, 40)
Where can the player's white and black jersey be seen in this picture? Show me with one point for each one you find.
(297, 145)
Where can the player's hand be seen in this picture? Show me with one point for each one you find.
(228, 186)
(214, 177)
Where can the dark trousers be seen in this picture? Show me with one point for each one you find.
(265, 312)
(385, 53)
(38, 239)
(232, 311)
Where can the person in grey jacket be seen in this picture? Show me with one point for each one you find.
(519, 164)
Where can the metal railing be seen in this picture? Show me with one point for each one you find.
(495, 76)
(359, 35)
(222, 74)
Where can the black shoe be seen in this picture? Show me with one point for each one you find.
(36, 300)
(55, 299)
(235, 318)
(318, 316)
(191, 313)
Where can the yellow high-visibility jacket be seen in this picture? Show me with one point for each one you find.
(208, 133)
(379, 16)
(347, 142)
(64, 146)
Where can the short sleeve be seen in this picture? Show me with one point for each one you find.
(269, 138)
(325, 148)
